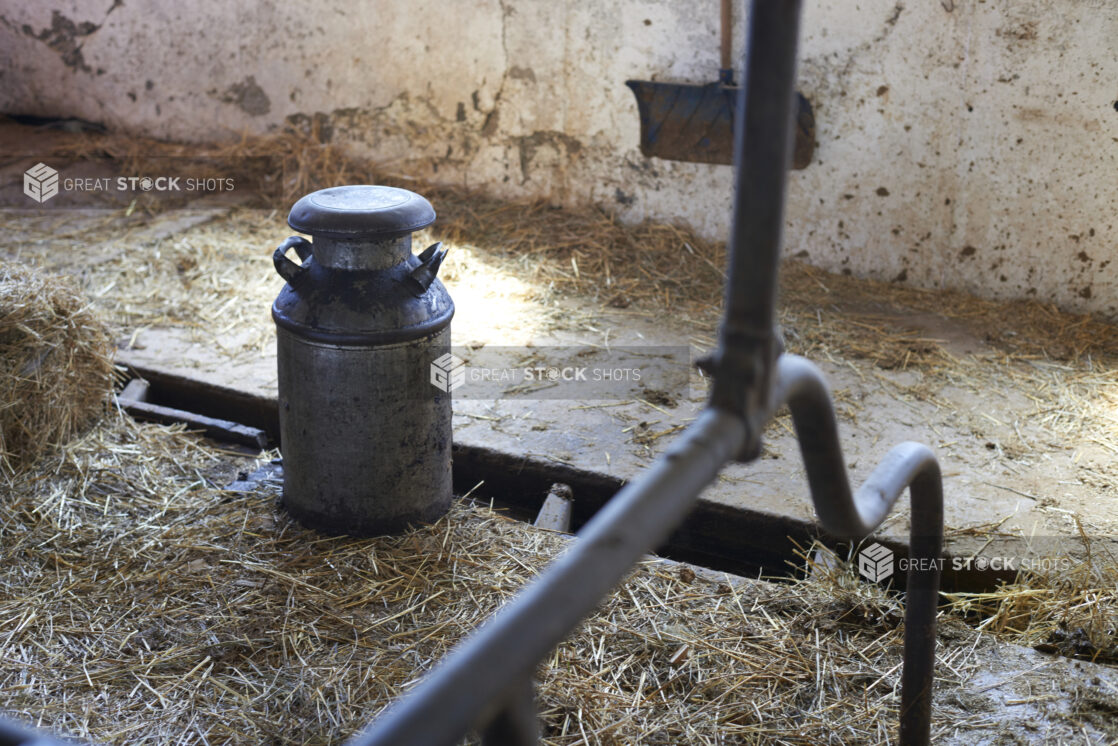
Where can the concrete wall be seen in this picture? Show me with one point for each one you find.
(961, 143)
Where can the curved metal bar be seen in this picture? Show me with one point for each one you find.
(471, 685)
(801, 386)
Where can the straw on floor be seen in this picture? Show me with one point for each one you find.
(144, 604)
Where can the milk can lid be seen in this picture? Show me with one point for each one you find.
(361, 211)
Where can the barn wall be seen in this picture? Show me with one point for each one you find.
(961, 143)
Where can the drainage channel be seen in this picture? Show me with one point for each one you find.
(715, 536)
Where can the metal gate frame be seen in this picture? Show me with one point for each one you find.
(485, 683)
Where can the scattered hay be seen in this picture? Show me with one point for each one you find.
(867, 318)
(588, 250)
(218, 278)
(144, 604)
(56, 367)
(195, 615)
(651, 266)
(279, 167)
(1072, 612)
(524, 259)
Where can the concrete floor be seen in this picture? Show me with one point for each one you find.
(1036, 494)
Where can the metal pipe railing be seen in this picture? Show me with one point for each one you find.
(801, 386)
(744, 363)
(485, 682)
(468, 688)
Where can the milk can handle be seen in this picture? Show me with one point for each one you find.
(288, 269)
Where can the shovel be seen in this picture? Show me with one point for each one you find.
(692, 122)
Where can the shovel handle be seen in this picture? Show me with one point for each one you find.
(727, 35)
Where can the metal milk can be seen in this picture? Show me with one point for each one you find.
(366, 437)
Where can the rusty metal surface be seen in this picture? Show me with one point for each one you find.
(351, 303)
(366, 438)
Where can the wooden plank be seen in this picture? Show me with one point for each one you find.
(192, 395)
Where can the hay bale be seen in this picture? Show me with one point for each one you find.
(56, 368)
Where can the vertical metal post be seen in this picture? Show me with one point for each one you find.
(922, 597)
(748, 344)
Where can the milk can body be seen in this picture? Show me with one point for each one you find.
(365, 436)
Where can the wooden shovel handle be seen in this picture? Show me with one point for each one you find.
(727, 34)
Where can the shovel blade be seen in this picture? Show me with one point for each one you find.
(695, 123)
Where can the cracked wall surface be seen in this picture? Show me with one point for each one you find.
(969, 145)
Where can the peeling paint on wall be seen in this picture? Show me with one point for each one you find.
(558, 148)
(65, 38)
(248, 96)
